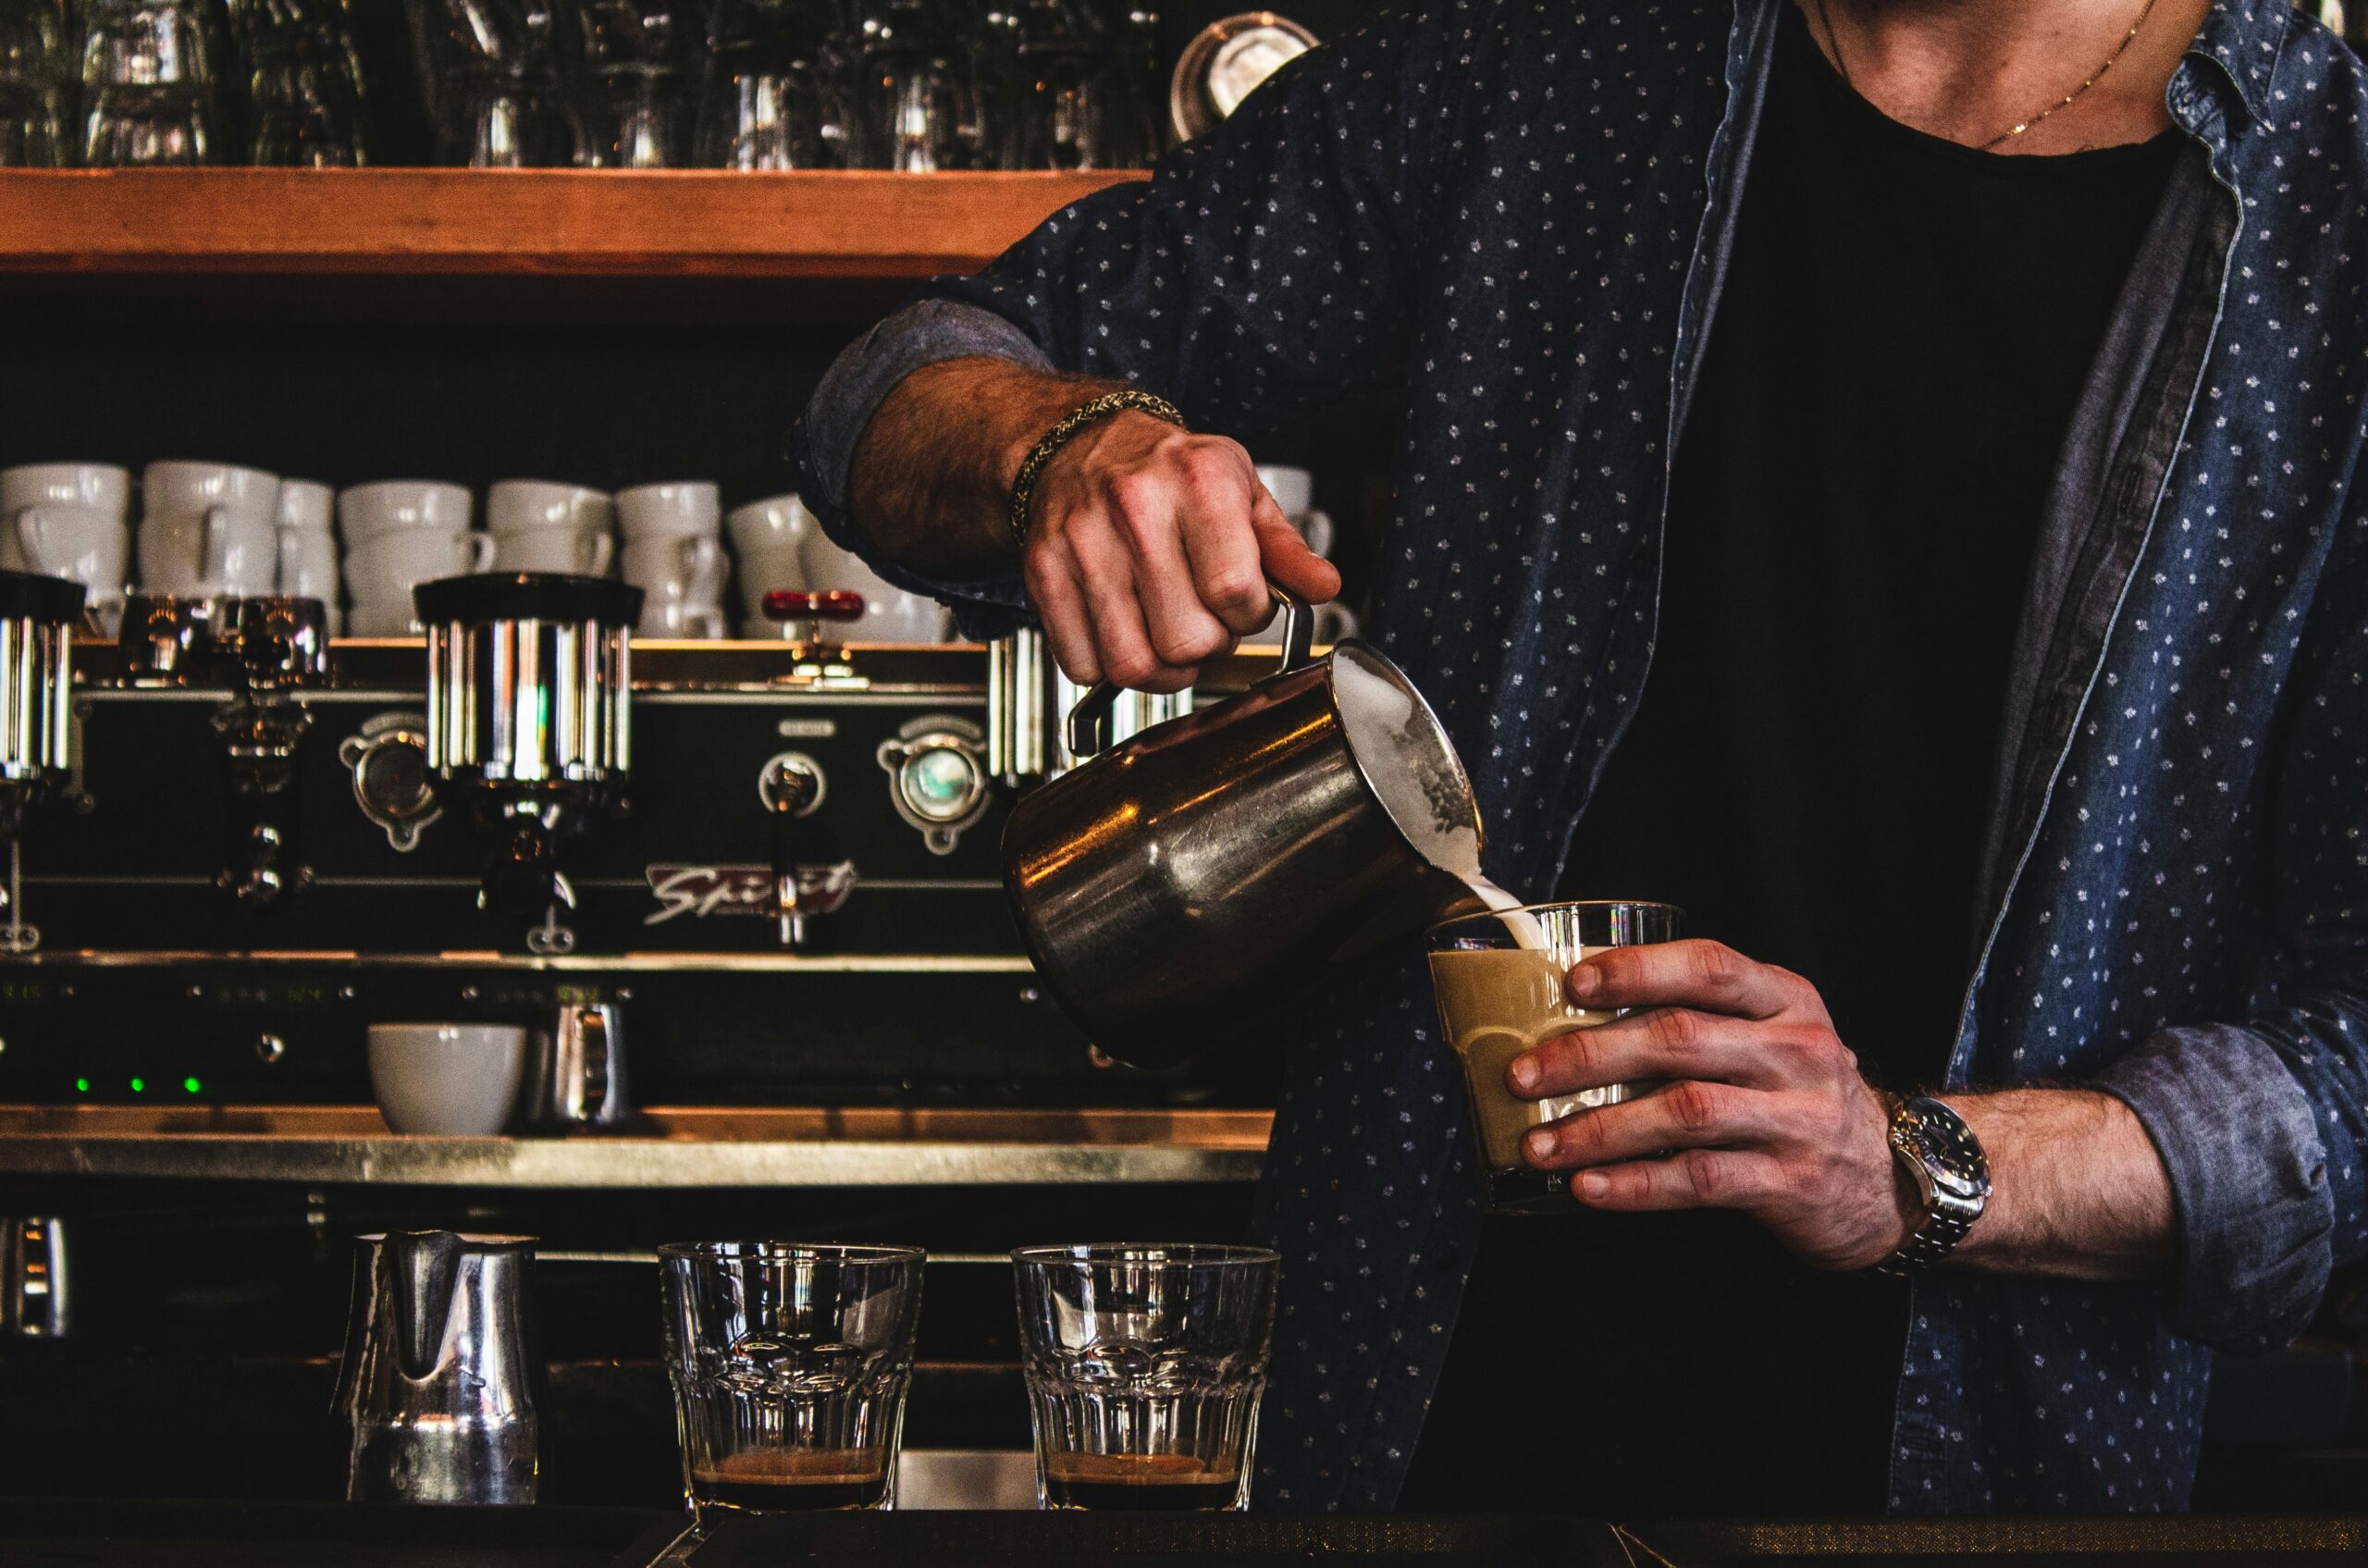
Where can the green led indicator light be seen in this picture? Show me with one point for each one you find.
(191, 1084)
(137, 1084)
(82, 1086)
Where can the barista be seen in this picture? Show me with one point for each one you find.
(1944, 811)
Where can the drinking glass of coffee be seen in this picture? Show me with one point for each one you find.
(790, 1364)
(1498, 977)
(1144, 1366)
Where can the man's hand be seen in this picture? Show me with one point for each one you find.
(1149, 551)
(1764, 1110)
(1148, 548)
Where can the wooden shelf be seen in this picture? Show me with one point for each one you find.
(522, 223)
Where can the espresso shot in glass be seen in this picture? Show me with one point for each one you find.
(1499, 979)
(789, 1362)
(1144, 1364)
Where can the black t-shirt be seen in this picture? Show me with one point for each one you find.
(1905, 327)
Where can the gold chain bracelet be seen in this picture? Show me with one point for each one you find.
(1023, 486)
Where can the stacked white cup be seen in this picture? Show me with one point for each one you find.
(208, 528)
(541, 526)
(674, 556)
(1294, 491)
(307, 547)
(890, 613)
(67, 520)
(400, 532)
(768, 536)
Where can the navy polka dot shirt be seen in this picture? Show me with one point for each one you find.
(1516, 212)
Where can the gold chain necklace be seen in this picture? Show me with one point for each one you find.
(1833, 43)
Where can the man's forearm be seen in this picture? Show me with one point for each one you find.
(931, 479)
(2079, 1191)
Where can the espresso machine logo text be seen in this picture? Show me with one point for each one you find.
(701, 891)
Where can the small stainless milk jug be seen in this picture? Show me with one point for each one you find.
(441, 1387)
(1209, 867)
(575, 1072)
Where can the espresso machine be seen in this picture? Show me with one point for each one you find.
(773, 863)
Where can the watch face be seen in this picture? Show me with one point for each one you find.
(1950, 1154)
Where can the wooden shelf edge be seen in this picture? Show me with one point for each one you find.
(519, 223)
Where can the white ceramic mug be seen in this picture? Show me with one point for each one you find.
(449, 1079)
(1293, 489)
(767, 538)
(554, 550)
(890, 615)
(518, 506)
(396, 506)
(681, 577)
(208, 528)
(691, 506)
(381, 573)
(307, 547)
(81, 542)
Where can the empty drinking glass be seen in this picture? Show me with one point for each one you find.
(36, 84)
(150, 84)
(303, 76)
(789, 1363)
(771, 98)
(642, 57)
(1144, 1366)
(494, 78)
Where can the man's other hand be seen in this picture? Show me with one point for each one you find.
(1763, 1110)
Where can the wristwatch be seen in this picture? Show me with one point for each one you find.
(1952, 1176)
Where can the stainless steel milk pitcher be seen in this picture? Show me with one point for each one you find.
(441, 1387)
(1209, 867)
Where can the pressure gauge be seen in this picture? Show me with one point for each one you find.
(937, 777)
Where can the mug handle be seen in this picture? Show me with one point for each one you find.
(214, 550)
(1089, 725)
(283, 566)
(481, 549)
(604, 549)
(29, 525)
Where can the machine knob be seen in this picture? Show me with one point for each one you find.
(794, 604)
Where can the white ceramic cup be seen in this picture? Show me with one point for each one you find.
(554, 550)
(692, 506)
(99, 486)
(395, 506)
(518, 506)
(381, 572)
(681, 578)
(307, 547)
(449, 1079)
(767, 538)
(85, 543)
(1293, 489)
(208, 528)
(890, 615)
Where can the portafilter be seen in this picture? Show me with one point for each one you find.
(529, 717)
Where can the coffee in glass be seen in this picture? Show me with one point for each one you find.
(1499, 978)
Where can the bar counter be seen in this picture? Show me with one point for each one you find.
(664, 1147)
(203, 1535)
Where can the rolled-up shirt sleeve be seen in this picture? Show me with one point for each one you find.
(925, 332)
(2249, 1172)
(2263, 1122)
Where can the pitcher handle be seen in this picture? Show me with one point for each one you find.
(1089, 723)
